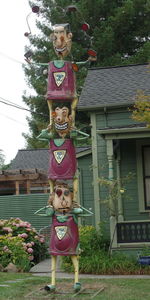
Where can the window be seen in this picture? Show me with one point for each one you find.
(143, 174)
(146, 174)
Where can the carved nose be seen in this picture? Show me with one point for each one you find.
(58, 119)
(60, 41)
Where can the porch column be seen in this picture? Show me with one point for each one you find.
(120, 206)
(113, 220)
(95, 171)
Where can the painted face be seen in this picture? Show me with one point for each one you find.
(61, 41)
(62, 199)
(62, 121)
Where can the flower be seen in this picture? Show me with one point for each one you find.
(30, 250)
(8, 229)
(23, 235)
(42, 240)
(31, 257)
(28, 229)
(29, 245)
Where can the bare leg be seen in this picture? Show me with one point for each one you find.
(51, 183)
(54, 259)
(75, 261)
(51, 287)
(75, 188)
(73, 110)
(50, 111)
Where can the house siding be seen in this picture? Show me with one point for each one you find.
(86, 186)
(111, 118)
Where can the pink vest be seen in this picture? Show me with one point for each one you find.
(62, 160)
(61, 81)
(64, 237)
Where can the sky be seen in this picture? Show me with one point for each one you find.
(13, 121)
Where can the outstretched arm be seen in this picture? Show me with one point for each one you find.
(82, 211)
(47, 211)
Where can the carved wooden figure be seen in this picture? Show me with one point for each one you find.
(62, 135)
(64, 240)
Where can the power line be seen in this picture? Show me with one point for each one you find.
(10, 58)
(14, 120)
(9, 103)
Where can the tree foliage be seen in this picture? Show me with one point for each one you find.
(2, 159)
(119, 32)
(141, 109)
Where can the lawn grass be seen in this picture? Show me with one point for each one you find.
(27, 286)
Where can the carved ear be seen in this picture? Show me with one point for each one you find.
(51, 198)
(52, 37)
(70, 35)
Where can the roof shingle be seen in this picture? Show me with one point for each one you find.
(113, 86)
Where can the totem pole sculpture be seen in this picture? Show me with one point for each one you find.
(62, 136)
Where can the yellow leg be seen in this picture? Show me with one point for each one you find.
(53, 280)
(75, 188)
(51, 183)
(51, 287)
(73, 110)
(75, 262)
(50, 111)
(77, 284)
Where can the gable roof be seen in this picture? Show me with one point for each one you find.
(38, 158)
(114, 86)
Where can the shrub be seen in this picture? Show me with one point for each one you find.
(12, 250)
(19, 237)
(93, 243)
(95, 258)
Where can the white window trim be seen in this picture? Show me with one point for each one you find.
(140, 179)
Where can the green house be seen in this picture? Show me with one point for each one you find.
(120, 146)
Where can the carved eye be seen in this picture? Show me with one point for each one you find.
(66, 192)
(58, 192)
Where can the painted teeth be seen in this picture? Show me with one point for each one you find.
(61, 126)
(60, 49)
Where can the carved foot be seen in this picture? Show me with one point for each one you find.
(77, 286)
(49, 288)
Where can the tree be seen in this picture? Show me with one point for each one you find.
(2, 159)
(141, 109)
(119, 32)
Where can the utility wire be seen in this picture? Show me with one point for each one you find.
(9, 103)
(12, 119)
(11, 58)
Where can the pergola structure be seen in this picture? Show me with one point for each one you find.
(25, 181)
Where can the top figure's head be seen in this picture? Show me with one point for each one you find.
(62, 40)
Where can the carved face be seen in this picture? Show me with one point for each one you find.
(62, 41)
(62, 199)
(62, 121)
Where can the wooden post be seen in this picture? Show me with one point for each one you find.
(17, 187)
(28, 186)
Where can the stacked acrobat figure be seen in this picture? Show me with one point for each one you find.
(62, 135)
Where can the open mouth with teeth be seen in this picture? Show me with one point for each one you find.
(60, 50)
(63, 126)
